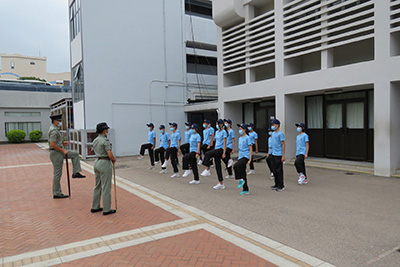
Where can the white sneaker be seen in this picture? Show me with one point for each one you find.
(219, 186)
(272, 176)
(164, 164)
(187, 173)
(156, 162)
(230, 163)
(300, 180)
(151, 168)
(140, 157)
(229, 177)
(175, 175)
(194, 182)
(206, 173)
(200, 162)
(251, 172)
(163, 171)
(212, 166)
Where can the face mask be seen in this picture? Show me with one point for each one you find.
(240, 132)
(270, 133)
(299, 130)
(273, 128)
(249, 128)
(227, 125)
(172, 129)
(149, 128)
(193, 131)
(162, 131)
(187, 127)
(217, 127)
(204, 126)
(60, 124)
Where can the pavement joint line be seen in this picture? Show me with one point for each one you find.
(383, 255)
(25, 165)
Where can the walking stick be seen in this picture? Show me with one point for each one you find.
(115, 187)
(69, 184)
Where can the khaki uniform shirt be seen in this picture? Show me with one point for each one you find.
(54, 135)
(101, 145)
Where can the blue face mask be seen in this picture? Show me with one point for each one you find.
(217, 127)
(172, 129)
(162, 131)
(187, 127)
(60, 124)
(227, 125)
(273, 128)
(149, 128)
(241, 132)
(204, 125)
(193, 131)
(249, 128)
(270, 133)
(299, 130)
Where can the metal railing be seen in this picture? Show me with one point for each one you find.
(81, 141)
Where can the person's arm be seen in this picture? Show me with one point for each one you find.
(111, 156)
(283, 150)
(307, 149)
(179, 145)
(211, 140)
(198, 150)
(251, 154)
(169, 143)
(256, 142)
(56, 147)
(154, 142)
(224, 153)
(233, 145)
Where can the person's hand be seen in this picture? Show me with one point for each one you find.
(306, 156)
(113, 160)
(248, 163)
(223, 156)
(152, 147)
(267, 155)
(256, 151)
(178, 154)
(283, 159)
(197, 155)
(66, 143)
(65, 152)
(233, 151)
(208, 147)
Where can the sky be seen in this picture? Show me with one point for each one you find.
(36, 27)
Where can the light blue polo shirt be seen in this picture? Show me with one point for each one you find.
(188, 134)
(174, 138)
(152, 135)
(231, 135)
(219, 139)
(164, 139)
(244, 150)
(253, 136)
(206, 135)
(194, 139)
(270, 144)
(301, 142)
(277, 138)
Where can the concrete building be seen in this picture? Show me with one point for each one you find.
(15, 66)
(26, 106)
(135, 62)
(332, 64)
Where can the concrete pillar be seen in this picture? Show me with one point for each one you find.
(294, 113)
(395, 126)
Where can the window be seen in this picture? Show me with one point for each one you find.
(314, 112)
(75, 19)
(201, 8)
(27, 127)
(77, 83)
(22, 114)
(201, 64)
(12, 64)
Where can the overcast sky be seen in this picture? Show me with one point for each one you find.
(33, 27)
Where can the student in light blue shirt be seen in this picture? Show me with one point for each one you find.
(194, 152)
(278, 155)
(218, 153)
(149, 145)
(173, 150)
(208, 139)
(230, 148)
(188, 133)
(254, 142)
(302, 148)
(245, 156)
(164, 145)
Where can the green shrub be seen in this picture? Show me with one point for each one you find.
(16, 136)
(35, 135)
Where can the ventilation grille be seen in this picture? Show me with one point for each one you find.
(395, 15)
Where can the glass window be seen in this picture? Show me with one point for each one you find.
(22, 114)
(248, 113)
(355, 115)
(334, 116)
(314, 112)
(77, 83)
(202, 8)
(201, 64)
(74, 17)
(27, 127)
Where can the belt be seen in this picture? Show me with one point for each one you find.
(52, 149)
(107, 158)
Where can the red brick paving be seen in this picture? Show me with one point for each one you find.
(198, 248)
(30, 219)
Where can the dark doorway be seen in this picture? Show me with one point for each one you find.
(199, 117)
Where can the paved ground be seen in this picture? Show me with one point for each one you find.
(149, 229)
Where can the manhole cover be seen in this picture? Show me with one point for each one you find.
(122, 167)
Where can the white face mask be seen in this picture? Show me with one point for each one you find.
(60, 124)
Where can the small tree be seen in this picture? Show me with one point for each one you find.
(35, 135)
(16, 136)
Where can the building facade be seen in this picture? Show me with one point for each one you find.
(332, 64)
(15, 66)
(135, 62)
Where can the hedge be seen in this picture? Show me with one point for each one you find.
(35, 135)
(16, 136)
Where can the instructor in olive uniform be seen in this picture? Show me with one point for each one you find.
(57, 155)
(103, 170)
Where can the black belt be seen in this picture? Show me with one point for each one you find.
(107, 158)
(52, 149)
